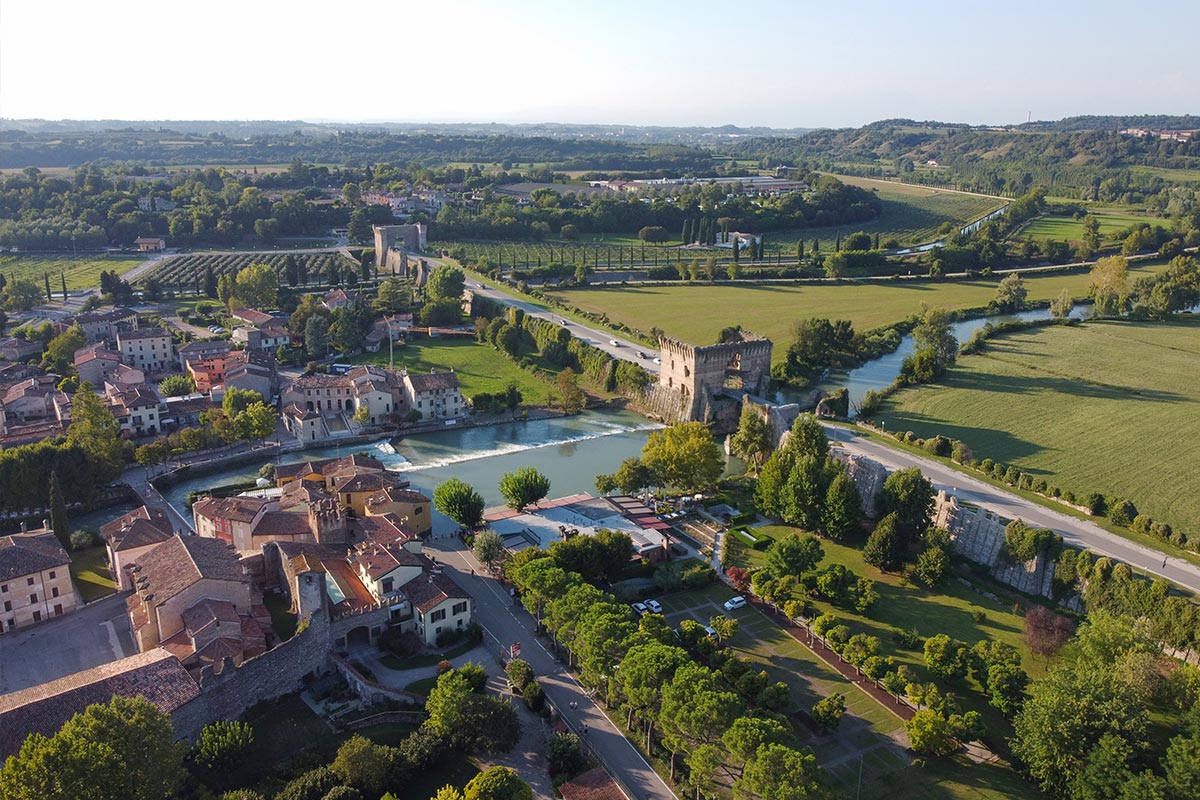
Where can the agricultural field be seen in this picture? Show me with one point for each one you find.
(479, 367)
(1107, 407)
(81, 273)
(911, 215)
(697, 313)
(187, 270)
(611, 251)
(1168, 174)
(1062, 226)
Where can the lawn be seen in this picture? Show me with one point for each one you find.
(1062, 226)
(697, 313)
(479, 367)
(1106, 406)
(910, 214)
(81, 273)
(89, 570)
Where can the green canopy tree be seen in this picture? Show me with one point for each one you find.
(94, 430)
(779, 773)
(752, 441)
(843, 508)
(459, 501)
(684, 456)
(497, 783)
(524, 487)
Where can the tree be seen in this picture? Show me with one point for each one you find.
(364, 765)
(122, 750)
(1045, 631)
(176, 385)
(807, 438)
(470, 721)
(1010, 294)
(358, 229)
(523, 487)
(633, 476)
(843, 507)
(828, 711)
(20, 294)
(489, 547)
(931, 566)
(654, 234)
(238, 400)
(58, 513)
(316, 336)
(684, 456)
(726, 627)
(1061, 306)
(257, 422)
(910, 496)
(94, 430)
(1091, 237)
(930, 733)
(883, 547)
(60, 351)
(445, 283)
(498, 783)
(947, 658)
(570, 397)
(459, 501)
(747, 734)
(257, 286)
(393, 296)
(291, 270)
(752, 442)
(793, 555)
(1182, 766)
(933, 335)
(779, 773)
(1006, 684)
(1109, 285)
(223, 744)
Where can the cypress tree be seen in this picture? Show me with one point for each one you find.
(816, 246)
(63, 277)
(876, 241)
(837, 245)
(58, 513)
(800, 250)
(687, 229)
(49, 296)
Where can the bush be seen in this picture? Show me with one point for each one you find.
(223, 744)
(564, 756)
(84, 538)
(535, 696)
(1122, 512)
(1094, 503)
(444, 666)
(520, 673)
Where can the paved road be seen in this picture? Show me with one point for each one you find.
(597, 337)
(505, 624)
(1075, 531)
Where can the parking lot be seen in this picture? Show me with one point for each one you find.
(867, 731)
(86, 638)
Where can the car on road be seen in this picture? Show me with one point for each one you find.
(657, 360)
(654, 606)
(614, 342)
(640, 354)
(734, 603)
(564, 322)
(639, 608)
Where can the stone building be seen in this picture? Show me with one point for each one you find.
(146, 348)
(411, 238)
(35, 580)
(706, 384)
(133, 535)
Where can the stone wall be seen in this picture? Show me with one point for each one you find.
(978, 534)
(868, 476)
(698, 374)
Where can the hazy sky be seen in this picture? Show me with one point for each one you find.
(784, 64)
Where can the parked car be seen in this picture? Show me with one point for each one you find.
(710, 631)
(639, 608)
(564, 322)
(654, 606)
(734, 603)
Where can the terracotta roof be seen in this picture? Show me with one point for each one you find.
(432, 590)
(296, 412)
(327, 466)
(205, 346)
(90, 354)
(387, 530)
(238, 509)
(281, 523)
(208, 612)
(309, 556)
(105, 316)
(428, 382)
(156, 675)
(252, 315)
(395, 494)
(143, 333)
(595, 784)
(361, 482)
(140, 527)
(30, 553)
(296, 492)
(181, 561)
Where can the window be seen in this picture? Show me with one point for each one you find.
(438, 615)
(58, 609)
(416, 510)
(460, 608)
(51, 574)
(8, 605)
(4, 588)
(54, 591)
(33, 598)
(387, 585)
(29, 581)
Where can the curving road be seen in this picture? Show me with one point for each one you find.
(1077, 532)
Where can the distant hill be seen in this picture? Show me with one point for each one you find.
(1187, 122)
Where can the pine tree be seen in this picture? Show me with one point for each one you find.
(58, 513)
(883, 547)
(843, 509)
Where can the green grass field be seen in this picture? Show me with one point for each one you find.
(89, 571)
(910, 214)
(479, 367)
(1061, 226)
(1108, 407)
(81, 273)
(697, 313)
(1168, 174)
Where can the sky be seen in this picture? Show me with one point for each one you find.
(806, 64)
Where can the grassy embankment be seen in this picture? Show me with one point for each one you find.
(1107, 407)
(697, 313)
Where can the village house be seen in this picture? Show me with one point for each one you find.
(124, 378)
(150, 244)
(252, 371)
(406, 504)
(138, 411)
(301, 513)
(207, 372)
(317, 407)
(394, 327)
(96, 364)
(147, 349)
(339, 298)
(252, 316)
(267, 337)
(132, 535)
(104, 325)
(436, 395)
(32, 399)
(201, 350)
(13, 349)
(194, 598)
(35, 579)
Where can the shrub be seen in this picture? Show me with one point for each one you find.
(1094, 503)
(535, 696)
(519, 672)
(961, 453)
(910, 639)
(84, 538)
(563, 754)
(1122, 512)
(986, 465)
(444, 666)
(223, 744)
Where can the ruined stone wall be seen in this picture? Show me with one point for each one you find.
(868, 476)
(699, 374)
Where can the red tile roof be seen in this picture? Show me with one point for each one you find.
(29, 553)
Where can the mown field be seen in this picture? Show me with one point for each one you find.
(81, 273)
(698, 312)
(479, 367)
(186, 270)
(1112, 407)
(1062, 226)
(911, 215)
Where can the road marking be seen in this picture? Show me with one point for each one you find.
(118, 651)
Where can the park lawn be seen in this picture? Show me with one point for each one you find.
(1105, 406)
(89, 571)
(480, 368)
(81, 273)
(696, 313)
(1063, 226)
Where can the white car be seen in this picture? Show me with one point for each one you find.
(614, 342)
(654, 606)
(658, 361)
(710, 631)
(734, 603)
(639, 608)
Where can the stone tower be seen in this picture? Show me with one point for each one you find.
(697, 376)
(412, 238)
